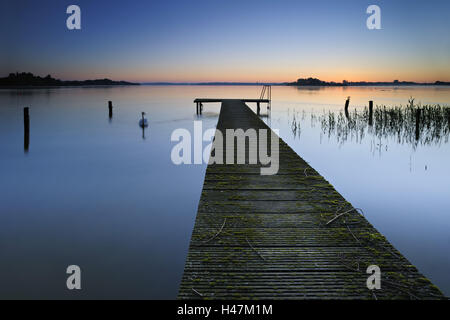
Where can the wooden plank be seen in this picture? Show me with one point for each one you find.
(301, 285)
(235, 235)
(286, 236)
(313, 258)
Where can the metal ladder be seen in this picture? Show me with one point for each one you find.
(267, 91)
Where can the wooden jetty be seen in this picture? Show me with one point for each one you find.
(286, 236)
(200, 101)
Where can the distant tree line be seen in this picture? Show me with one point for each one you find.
(29, 79)
(317, 82)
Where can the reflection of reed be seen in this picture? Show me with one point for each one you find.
(413, 124)
(295, 126)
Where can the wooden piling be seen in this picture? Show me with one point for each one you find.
(110, 107)
(26, 122)
(258, 109)
(418, 111)
(370, 113)
(347, 102)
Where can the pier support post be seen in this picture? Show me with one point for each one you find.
(258, 108)
(110, 107)
(370, 113)
(347, 102)
(26, 123)
(201, 108)
(418, 111)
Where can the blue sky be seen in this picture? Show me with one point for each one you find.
(227, 40)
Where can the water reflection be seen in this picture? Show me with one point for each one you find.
(112, 171)
(412, 124)
(110, 110)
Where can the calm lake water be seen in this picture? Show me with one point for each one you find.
(102, 194)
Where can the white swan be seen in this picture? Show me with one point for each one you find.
(143, 122)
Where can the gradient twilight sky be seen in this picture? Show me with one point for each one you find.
(213, 40)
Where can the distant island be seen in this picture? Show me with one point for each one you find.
(317, 82)
(26, 79)
(302, 82)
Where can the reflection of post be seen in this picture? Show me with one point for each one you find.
(418, 123)
(26, 122)
(370, 113)
(110, 107)
(346, 107)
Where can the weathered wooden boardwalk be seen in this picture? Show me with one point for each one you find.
(286, 236)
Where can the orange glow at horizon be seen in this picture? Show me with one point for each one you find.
(335, 69)
(242, 75)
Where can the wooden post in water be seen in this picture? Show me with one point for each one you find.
(197, 107)
(258, 108)
(26, 123)
(418, 111)
(110, 107)
(347, 102)
(370, 113)
(201, 108)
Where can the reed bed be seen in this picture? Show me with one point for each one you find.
(413, 124)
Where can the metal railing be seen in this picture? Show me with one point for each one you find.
(267, 92)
